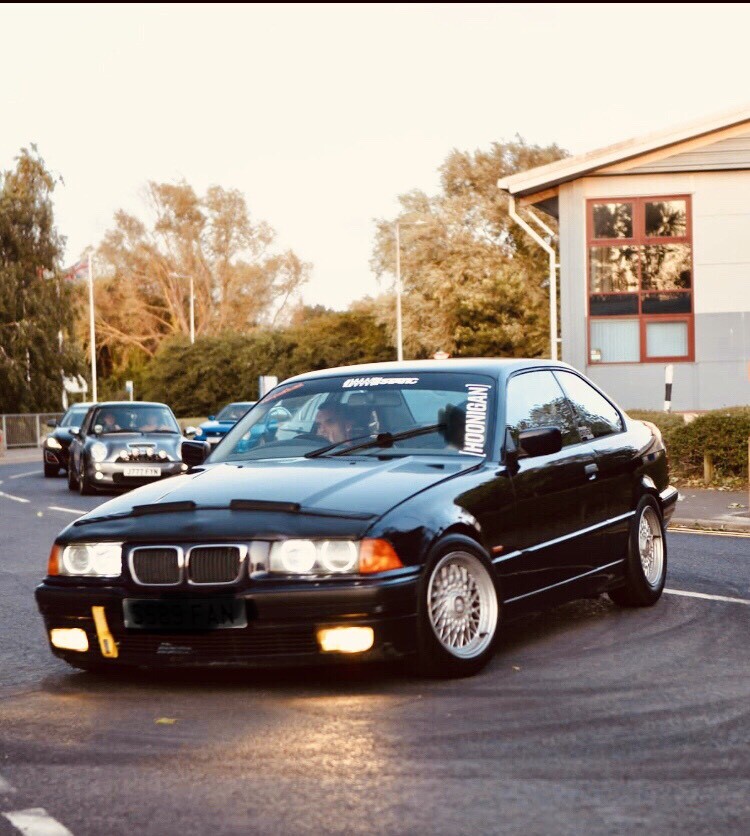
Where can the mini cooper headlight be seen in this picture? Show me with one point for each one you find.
(97, 560)
(53, 443)
(98, 451)
(332, 557)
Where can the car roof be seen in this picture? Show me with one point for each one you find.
(496, 367)
(129, 403)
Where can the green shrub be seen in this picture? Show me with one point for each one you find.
(721, 433)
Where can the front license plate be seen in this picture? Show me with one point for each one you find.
(141, 471)
(202, 614)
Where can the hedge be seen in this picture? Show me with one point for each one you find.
(722, 433)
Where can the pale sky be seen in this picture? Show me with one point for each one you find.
(322, 114)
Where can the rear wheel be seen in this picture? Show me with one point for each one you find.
(646, 563)
(51, 470)
(72, 481)
(458, 610)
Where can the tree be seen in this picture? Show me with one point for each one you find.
(240, 282)
(472, 283)
(36, 305)
(198, 379)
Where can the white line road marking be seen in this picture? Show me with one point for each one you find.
(36, 822)
(28, 473)
(707, 597)
(5, 787)
(14, 498)
(67, 510)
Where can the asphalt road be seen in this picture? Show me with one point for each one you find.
(589, 720)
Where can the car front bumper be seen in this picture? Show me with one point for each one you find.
(57, 457)
(281, 630)
(112, 474)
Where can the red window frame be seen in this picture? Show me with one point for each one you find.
(640, 240)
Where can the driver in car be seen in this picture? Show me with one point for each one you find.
(333, 423)
(152, 422)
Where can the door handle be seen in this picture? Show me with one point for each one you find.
(591, 470)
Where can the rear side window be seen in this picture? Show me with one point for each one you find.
(535, 400)
(595, 414)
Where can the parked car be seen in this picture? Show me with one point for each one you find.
(124, 444)
(55, 445)
(219, 425)
(425, 506)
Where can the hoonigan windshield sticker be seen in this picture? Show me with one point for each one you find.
(475, 433)
(379, 381)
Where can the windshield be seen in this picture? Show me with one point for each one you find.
(368, 413)
(145, 419)
(73, 417)
(234, 411)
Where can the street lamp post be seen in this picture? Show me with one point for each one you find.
(399, 322)
(192, 312)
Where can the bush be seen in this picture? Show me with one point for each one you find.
(721, 433)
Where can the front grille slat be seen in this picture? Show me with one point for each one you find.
(214, 564)
(156, 566)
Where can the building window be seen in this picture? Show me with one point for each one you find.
(640, 269)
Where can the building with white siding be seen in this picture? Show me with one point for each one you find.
(654, 253)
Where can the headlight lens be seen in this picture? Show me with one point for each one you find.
(98, 560)
(98, 451)
(331, 557)
(53, 443)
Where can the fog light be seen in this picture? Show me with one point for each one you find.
(346, 639)
(98, 476)
(69, 638)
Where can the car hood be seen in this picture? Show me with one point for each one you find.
(364, 488)
(62, 434)
(217, 425)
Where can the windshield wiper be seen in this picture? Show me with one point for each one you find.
(151, 432)
(380, 440)
(126, 430)
(320, 451)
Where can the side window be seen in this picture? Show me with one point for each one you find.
(596, 415)
(535, 399)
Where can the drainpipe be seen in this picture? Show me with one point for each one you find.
(552, 269)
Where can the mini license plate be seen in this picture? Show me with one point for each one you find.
(195, 614)
(141, 471)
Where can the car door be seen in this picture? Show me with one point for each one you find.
(553, 492)
(617, 461)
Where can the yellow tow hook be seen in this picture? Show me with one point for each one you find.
(106, 642)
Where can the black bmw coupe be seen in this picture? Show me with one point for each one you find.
(381, 511)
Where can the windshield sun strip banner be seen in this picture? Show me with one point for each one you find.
(475, 429)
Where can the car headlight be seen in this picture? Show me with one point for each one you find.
(332, 557)
(53, 443)
(98, 451)
(97, 560)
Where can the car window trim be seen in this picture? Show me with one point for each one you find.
(623, 424)
(553, 368)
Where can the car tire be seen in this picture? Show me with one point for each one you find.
(646, 562)
(72, 482)
(51, 470)
(458, 610)
(85, 487)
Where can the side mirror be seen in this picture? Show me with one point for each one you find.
(195, 452)
(541, 441)
(75, 432)
(189, 432)
(211, 417)
(98, 429)
(52, 423)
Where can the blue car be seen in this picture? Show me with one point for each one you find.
(219, 425)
